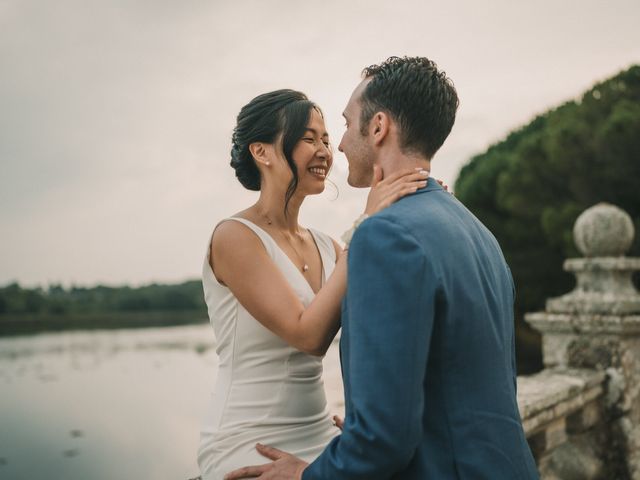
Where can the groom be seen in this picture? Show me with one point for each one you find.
(427, 342)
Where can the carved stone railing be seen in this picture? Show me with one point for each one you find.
(582, 413)
(562, 416)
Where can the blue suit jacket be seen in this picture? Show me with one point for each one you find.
(427, 351)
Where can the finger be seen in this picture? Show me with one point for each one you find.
(399, 191)
(443, 185)
(395, 196)
(419, 179)
(399, 174)
(407, 187)
(248, 472)
(269, 452)
(339, 422)
(402, 173)
(420, 176)
(377, 176)
(398, 194)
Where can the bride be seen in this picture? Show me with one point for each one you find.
(273, 289)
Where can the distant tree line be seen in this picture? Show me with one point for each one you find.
(530, 188)
(58, 300)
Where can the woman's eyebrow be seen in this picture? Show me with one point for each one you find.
(315, 132)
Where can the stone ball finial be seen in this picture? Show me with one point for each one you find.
(603, 230)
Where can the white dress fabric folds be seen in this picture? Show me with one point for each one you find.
(265, 390)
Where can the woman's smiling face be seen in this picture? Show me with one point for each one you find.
(312, 156)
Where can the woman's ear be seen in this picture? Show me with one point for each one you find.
(260, 153)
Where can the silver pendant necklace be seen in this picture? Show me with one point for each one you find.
(305, 267)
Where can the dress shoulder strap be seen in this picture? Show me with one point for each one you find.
(265, 238)
(325, 244)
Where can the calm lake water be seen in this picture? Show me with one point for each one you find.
(107, 405)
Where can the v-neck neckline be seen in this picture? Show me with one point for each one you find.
(291, 262)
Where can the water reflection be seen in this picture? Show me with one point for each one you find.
(105, 405)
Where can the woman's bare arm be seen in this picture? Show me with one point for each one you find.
(240, 261)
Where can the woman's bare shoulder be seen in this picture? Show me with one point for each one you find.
(231, 233)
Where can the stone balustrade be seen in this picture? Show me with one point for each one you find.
(582, 413)
(562, 416)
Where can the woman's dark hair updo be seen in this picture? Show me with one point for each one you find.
(264, 119)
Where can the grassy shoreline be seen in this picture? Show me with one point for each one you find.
(26, 324)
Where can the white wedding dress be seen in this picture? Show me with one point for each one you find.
(266, 391)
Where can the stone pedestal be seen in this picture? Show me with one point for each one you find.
(597, 326)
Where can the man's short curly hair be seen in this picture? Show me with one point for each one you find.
(419, 97)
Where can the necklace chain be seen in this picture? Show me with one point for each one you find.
(305, 267)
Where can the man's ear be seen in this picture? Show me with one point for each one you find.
(379, 127)
(260, 153)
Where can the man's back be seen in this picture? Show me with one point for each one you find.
(470, 383)
(428, 351)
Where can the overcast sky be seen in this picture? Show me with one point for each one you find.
(116, 115)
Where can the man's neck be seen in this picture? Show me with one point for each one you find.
(402, 161)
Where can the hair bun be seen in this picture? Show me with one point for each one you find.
(246, 170)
